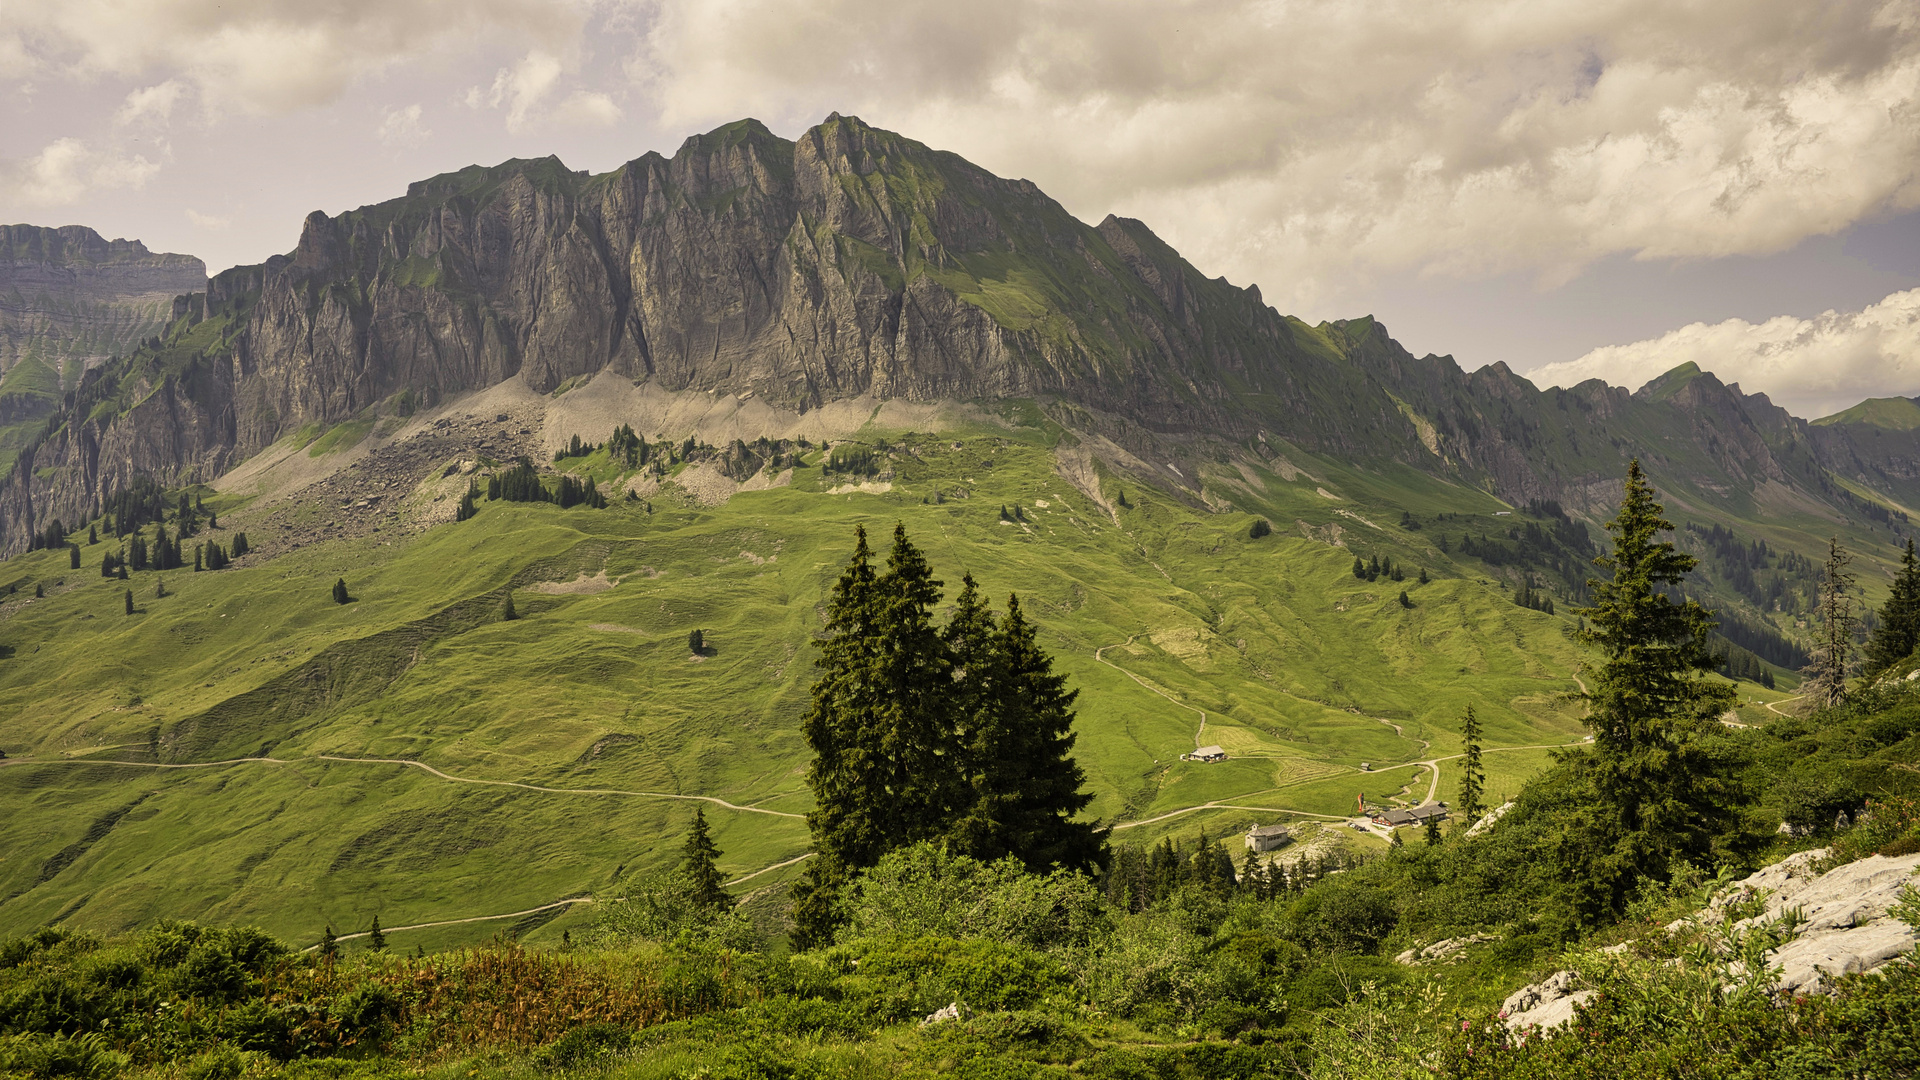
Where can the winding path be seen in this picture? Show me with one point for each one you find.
(1149, 686)
(597, 792)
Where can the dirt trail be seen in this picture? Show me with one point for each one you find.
(563, 791)
(457, 922)
(1198, 732)
(599, 792)
(1772, 705)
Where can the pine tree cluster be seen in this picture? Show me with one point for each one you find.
(1375, 568)
(1532, 599)
(1140, 878)
(522, 483)
(960, 733)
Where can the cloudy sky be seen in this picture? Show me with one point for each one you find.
(1577, 189)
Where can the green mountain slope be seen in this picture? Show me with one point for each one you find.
(1302, 672)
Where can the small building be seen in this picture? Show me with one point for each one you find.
(1205, 753)
(1419, 815)
(1268, 837)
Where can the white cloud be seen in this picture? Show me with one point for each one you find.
(66, 170)
(587, 108)
(152, 103)
(402, 127)
(1315, 144)
(524, 85)
(208, 221)
(266, 56)
(1813, 367)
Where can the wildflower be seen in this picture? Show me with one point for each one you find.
(1466, 1025)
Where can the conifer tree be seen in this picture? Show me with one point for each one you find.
(1258, 529)
(1662, 795)
(129, 599)
(1359, 568)
(919, 761)
(1825, 685)
(697, 642)
(93, 535)
(39, 591)
(839, 727)
(507, 613)
(1473, 776)
(329, 945)
(376, 940)
(239, 544)
(73, 556)
(340, 592)
(1898, 632)
(698, 865)
(1433, 832)
(1026, 784)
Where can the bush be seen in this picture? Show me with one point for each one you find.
(923, 891)
(978, 973)
(582, 1044)
(83, 1057)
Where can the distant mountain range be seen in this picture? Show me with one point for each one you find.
(851, 263)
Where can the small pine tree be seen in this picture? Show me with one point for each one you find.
(159, 588)
(239, 544)
(1898, 630)
(39, 591)
(1826, 683)
(1393, 838)
(73, 556)
(697, 642)
(1404, 602)
(129, 599)
(329, 944)
(1120, 499)
(376, 940)
(1473, 775)
(93, 535)
(1258, 529)
(507, 613)
(340, 592)
(698, 865)
(1766, 678)
(1433, 831)
(1359, 568)
(1424, 579)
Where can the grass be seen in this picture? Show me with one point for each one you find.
(1300, 669)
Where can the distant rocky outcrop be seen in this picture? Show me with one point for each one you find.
(70, 298)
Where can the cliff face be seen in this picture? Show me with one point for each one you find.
(69, 298)
(851, 261)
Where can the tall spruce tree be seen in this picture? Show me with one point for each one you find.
(1660, 793)
(1025, 783)
(839, 726)
(1898, 631)
(699, 865)
(1473, 775)
(376, 938)
(1825, 685)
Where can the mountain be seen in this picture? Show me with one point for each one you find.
(851, 263)
(69, 301)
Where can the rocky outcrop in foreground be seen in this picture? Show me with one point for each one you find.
(1844, 928)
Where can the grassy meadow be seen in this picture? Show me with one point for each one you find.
(1177, 626)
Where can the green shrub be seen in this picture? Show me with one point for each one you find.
(583, 1044)
(82, 1057)
(979, 973)
(923, 890)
